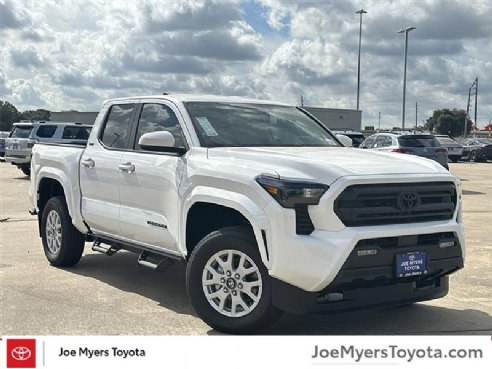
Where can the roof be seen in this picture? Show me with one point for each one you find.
(203, 98)
(51, 123)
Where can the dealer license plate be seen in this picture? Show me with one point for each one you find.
(411, 263)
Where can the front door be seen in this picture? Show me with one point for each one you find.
(150, 181)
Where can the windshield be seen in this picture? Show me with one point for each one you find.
(21, 132)
(418, 141)
(231, 124)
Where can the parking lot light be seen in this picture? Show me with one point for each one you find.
(406, 30)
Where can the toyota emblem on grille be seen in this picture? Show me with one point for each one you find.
(408, 200)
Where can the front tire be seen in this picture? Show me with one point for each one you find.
(63, 244)
(473, 156)
(228, 284)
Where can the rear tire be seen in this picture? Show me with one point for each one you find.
(26, 170)
(63, 244)
(473, 156)
(228, 285)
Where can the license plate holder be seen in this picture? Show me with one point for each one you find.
(411, 264)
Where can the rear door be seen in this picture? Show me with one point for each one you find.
(99, 169)
(149, 181)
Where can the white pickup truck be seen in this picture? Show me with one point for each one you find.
(263, 205)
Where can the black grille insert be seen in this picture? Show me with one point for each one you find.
(396, 203)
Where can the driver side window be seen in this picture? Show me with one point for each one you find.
(159, 117)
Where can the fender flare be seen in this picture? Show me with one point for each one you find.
(255, 214)
(72, 198)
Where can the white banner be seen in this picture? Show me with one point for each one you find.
(249, 352)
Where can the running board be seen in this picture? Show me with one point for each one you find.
(111, 250)
(154, 261)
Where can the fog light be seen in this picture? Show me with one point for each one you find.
(444, 244)
(367, 252)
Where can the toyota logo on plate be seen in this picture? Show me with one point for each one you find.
(408, 200)
(21, 353)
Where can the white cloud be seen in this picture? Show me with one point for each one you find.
(69, 54)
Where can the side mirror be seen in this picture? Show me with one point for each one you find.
(162, 141)
(346, 141)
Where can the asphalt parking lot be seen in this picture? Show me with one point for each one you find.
(114, 296)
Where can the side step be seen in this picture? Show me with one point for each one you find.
(154, 261)
(111, 250)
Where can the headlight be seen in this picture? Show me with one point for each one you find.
(289, 193)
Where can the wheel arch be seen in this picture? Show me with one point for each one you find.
(57, 184)
(228, 210)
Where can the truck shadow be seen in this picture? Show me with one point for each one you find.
(416, 319)
(167, 288)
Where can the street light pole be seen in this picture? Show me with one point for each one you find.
(361, 11)
(406, 30)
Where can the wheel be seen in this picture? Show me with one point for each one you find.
(473, 156)
(63, 244)
(26, 170)
(228, 284)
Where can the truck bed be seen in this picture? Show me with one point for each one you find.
(59, 162)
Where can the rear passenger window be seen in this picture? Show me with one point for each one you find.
(387, 142)
(46, 131)
(368, 143)
(116, 132)
(158, 117)
(379, 141)
(76, 133)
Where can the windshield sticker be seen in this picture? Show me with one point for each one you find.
(207, 126)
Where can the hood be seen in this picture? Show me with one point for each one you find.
(325, 164)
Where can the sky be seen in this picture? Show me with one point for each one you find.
(72, 55)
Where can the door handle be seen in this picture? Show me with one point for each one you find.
(127, 167)
(88, 163)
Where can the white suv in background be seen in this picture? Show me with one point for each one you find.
(24, 135)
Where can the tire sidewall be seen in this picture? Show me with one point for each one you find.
(210, 245)
(65, 256)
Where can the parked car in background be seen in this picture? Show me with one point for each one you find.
(24, 135)
(3, 135)
(477, 149)
(405, 142)
(356, 137)
(455, 150)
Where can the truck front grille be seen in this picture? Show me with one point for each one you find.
(396, 203)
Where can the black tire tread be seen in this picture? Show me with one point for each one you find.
(73, 241)
(262, 316)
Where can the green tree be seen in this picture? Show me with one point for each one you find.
(8, 115)
(448, 122)
(39, 114)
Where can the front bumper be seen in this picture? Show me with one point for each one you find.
(295, 300)
(312, 262)
(368, 276)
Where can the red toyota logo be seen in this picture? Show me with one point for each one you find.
(21, 353)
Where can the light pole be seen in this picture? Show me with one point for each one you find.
(406, 30)
(362, 11)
